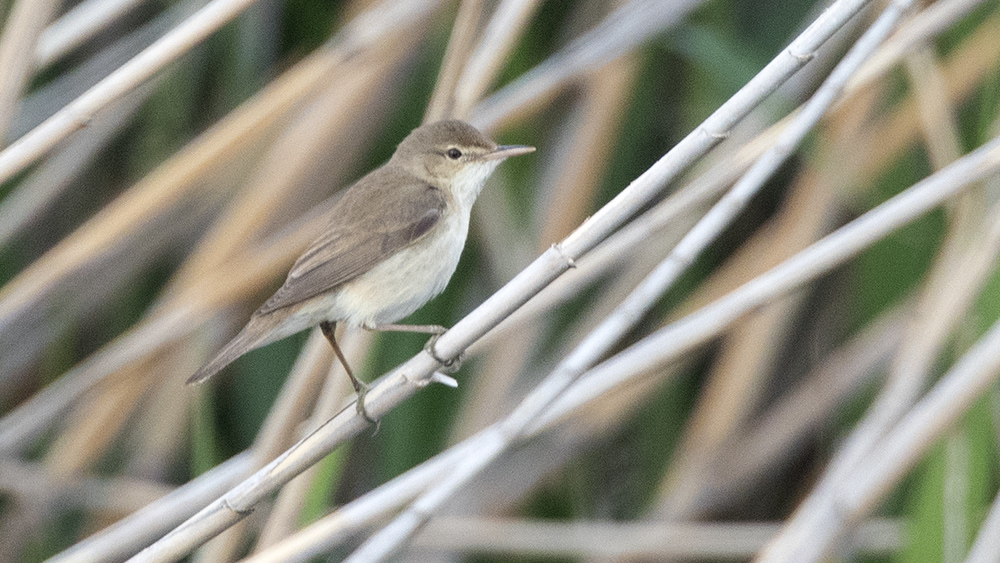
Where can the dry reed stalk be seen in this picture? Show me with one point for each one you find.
(893, 456)
(622, 31)
(328, 125)
(656, 232)
(896, 133)
(53, 95)
(602, 377)
(114, 496)
(505, 27)
(570, 189)
(177, 179)
(724, 279)
(502, 488)
(296, 400)
(599, 419)
(491, 392)
(26, 202)
(976, 58)
(148, 523)
(385, 542)
(947, 294)
(155, 418)
(931, 21)
(224, 547)
(191, 302)
(127, 536)
(50, 178)
(739, 376)
(684, 540)
(142, 67)
(705, 191)
(881, 419)
(94, 424)
(159, 435)
(747, 355)
(24, 422)
(17, 45)
(285, 514)
(507, 246)
(754, 453)
(394, 388)
(316, 538)
(986, 547)
(89, 433)
(575, 178)
(672, 341)
(76, 26)
(311, 373)
(468, 23)
(655, 227)
(165, 188)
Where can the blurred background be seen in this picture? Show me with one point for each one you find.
(138, 245)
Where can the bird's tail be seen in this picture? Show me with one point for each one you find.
(257, 333)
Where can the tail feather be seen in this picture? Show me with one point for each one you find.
(257, 333)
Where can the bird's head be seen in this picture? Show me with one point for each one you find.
(453, 155)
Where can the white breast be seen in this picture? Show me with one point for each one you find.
(404, 282)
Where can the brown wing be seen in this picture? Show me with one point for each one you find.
(359, 237)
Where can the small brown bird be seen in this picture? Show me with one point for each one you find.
(393, 243)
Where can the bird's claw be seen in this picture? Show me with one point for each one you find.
(450, 365)
(362, 389)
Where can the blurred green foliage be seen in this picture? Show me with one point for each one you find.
(685, 75)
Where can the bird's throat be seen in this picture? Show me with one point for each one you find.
(467, 184)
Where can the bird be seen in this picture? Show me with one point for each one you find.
(392, 244)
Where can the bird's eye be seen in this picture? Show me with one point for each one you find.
(454, 153)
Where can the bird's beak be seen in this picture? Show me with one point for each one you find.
(507, 151)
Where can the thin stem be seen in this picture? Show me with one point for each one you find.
(666, 345)
(986, 548)
(655, 540)
(505, 27)
(40, 140)
(77, 25)
(404, 381)
(625, 317)
(17, 45)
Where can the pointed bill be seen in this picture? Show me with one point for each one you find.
(507, 151)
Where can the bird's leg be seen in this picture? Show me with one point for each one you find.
(360, 387)
(436, 331)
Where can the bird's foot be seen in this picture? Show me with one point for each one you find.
(361, 389)
(451, 365)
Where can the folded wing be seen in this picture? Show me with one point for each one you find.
(360, 236)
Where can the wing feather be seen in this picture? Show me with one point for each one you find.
(359, 237)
